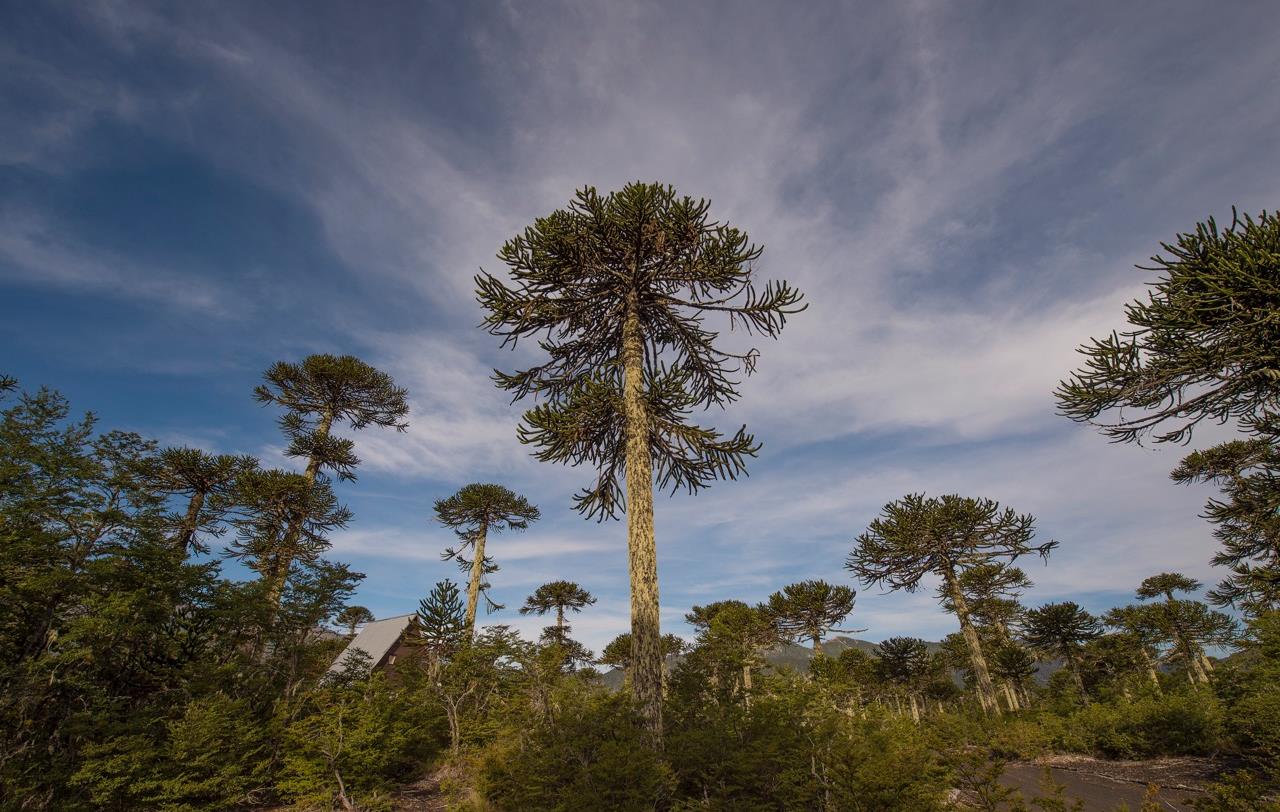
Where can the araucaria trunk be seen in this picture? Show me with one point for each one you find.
(986, 690)
(642, 555)
(477, 575)
(294, 531)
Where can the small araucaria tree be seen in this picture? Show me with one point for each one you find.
(352, 616)
(321, 392)
(918, 536)
(735, 632)
(207, 481)
(1059, 630)
(474, 512)
(809, 609)
(617, 289)
(557, 595)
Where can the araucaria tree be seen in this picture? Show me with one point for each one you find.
(558, 596)
(474, 512)
(352, 616)
(809, 609)
(1201, 346)
(1059, 630)
(617, 289)
(1186, 624)
(206, 481)
(918, 536)
(318, 394)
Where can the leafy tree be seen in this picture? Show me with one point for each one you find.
(352, 616)
(557, 595)
(904, 663)
(474, 512)
(809, 609)
(206, 481)
(1015, 666)
(1059, 630)
(1187, 625)
(736, 633)
(616, 288)
(1142, 626)
(282, 518)
(620, 651)
(918, 536)
(316, 394)
(1199, 349)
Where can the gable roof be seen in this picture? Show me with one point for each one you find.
(376, 639)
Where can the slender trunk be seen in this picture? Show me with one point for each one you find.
(1151, 669)
(560, 623)
(1075, 675)
(294, 531)
(915, 709)
(746, 679)
(187, 533)
(477, 575)
(642, 553)
(986, 691)
(1206, 663)
(1195, 671)
(1010, 697)
(817, 646)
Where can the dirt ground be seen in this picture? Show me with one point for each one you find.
(1104, 785)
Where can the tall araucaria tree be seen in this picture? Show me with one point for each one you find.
(809, 609)
(317, 394)
(617, 289)
(1201, 346)
(474, 512)
(557, 595)
(918, 536)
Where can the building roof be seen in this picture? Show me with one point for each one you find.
(376, 639)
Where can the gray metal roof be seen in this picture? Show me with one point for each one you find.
(375, 639)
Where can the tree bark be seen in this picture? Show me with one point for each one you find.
(642, 554)
(477, 575)
(188, 533)
(1075, 674)
(986, 690)
(1151, 669)
(285, 557)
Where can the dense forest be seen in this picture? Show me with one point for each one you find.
(138, 674)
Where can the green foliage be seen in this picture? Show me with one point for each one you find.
(441, 620)
(575, 273)
(589, 753)
(357, 740)
(324, 389)
(1199, 344)
(809, 609)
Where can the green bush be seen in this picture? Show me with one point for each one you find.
(590, 754)
(1179, 724)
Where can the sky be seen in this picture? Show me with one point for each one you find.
(190, 192)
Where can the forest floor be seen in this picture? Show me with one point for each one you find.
(1103, 784)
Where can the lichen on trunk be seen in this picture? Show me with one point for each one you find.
(642, 557)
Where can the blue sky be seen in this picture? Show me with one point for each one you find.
(189, 192)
